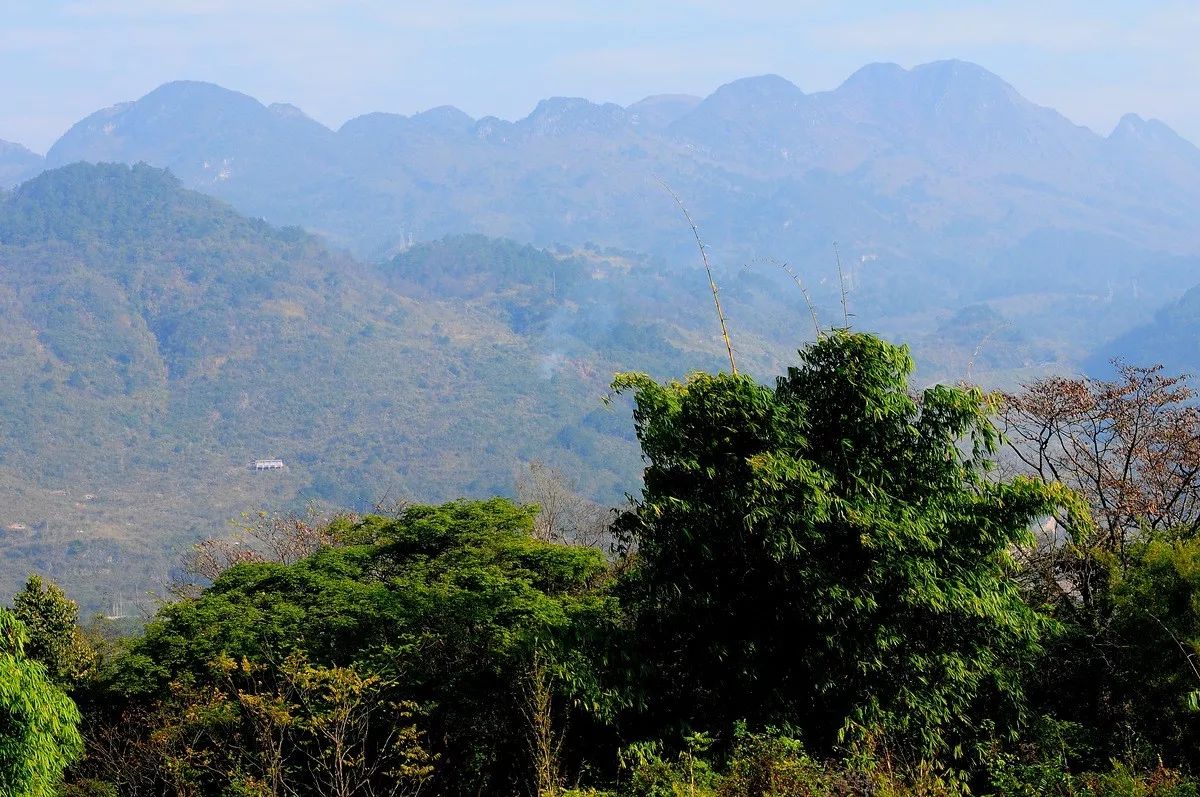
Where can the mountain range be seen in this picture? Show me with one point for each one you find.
(414, 305)
(942, 146)
(942, 185)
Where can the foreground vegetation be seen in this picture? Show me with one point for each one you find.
(826, 587)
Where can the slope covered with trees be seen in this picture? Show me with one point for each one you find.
(155, 342)
(824, 588)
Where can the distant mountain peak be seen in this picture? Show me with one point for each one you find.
(954, 68)
(1134, 126)
(928, 82)
(955, 112)
(553, 106)
(11, 148)
(875, 74)
(969, 83)
(1138, 142)
(752, 106)
(560, 115)
(287, 110)
(658, 111)
(665, 99)
(444, 118)
(17, 163)
(196, 90)
(204, 132)
(760, 87)
(186, 84)
(374, 122)
(494, 129)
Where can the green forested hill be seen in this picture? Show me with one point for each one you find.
(153, 343)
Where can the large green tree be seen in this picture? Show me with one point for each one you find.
(1151, 671)
(457, 610)
(830, 553)
(55, 639)
(39, 734)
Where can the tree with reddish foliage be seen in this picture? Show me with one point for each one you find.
(1130, 447)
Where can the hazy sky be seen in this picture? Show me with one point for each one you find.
(1092, 60)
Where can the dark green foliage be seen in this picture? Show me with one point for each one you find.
(1154, 704)
(448, 604)
(55, 640)
(827, 553)
(520, 284)
(90, 788)
(773, 764)
(474, 266)
(817, 598)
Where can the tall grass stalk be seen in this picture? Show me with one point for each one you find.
(712, 284)
(812, 310)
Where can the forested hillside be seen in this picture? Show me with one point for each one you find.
(156, 342)
(824, 589)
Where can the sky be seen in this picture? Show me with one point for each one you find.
(63, 59)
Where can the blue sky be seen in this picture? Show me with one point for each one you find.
(60, 60)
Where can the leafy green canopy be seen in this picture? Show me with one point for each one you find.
(1149, 693)
(39, 733)
(55, 639)
(449, 605)
(830, 554)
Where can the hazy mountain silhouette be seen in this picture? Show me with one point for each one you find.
(17, 164)
(945, 159)
(1171, 339)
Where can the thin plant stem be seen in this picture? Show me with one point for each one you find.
(842, 283)
(712, 284)
(812, 310)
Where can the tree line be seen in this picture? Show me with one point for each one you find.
(833, 585)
